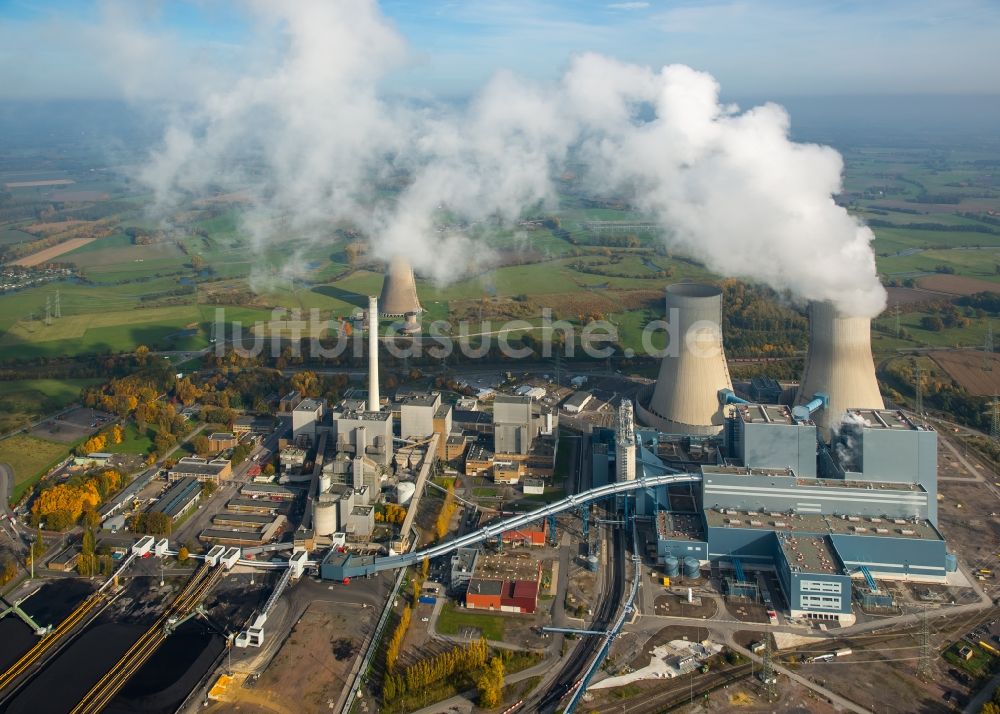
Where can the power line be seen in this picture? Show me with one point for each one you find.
(924, 668)
(767, 672)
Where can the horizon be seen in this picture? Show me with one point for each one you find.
(90, 49)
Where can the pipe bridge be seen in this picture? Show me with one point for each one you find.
(493, 530)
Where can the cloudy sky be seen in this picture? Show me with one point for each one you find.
(87, 48)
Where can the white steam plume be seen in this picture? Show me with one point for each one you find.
(307, 136)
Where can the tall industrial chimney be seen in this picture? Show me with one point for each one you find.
(625, 442)
(686, 396)
(373, 395)
(399, 294)
(839, 364)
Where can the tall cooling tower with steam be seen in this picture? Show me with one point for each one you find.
(399, 294)
(839, 365)
(686, 396)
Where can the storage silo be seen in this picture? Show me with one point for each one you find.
(951, 562)
(672, 566)
(325, 481)
(692, 568)
(685, 399)
(325, 518)
(404, 492)
(592, 563)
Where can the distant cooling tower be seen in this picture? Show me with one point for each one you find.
(839, 364)
(399, 294)
(686, 396)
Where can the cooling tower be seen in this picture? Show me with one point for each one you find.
(399, 294)
(839, 364)
(685, 398)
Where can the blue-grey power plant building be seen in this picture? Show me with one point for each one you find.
(830, 502)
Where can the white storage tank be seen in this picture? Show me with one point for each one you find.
(404, 492)
(325, 481)
(325, 521)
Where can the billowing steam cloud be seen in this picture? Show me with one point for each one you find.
(306, 136)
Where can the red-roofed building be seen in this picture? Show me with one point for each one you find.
(519, 596)
(529, 535)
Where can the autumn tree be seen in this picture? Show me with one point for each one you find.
(201, 445)
(183, 554)
(490, 684)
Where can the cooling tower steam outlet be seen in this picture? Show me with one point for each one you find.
(399, 294)
(685, 398)
(839, 364)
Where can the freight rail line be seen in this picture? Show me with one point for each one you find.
(139, 653)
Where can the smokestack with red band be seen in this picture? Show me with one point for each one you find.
(373, 395)
(839, 364)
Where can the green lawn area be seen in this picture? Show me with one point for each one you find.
(978, 666)
(30, 458)
(134, 442)
(453, 620)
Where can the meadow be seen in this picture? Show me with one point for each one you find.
(930, 210)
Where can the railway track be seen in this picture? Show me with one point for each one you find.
(101, 694)
(587, 648)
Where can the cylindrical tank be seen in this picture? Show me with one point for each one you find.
(671, 566)
(692, 568)
(839, 364)
(325, 519)
(592, 563)
(951, 562)
(685, 398)
(404, 492)
(325, 481)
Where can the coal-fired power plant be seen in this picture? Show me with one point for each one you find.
(839, 365)
(694, 371)
(399, 294)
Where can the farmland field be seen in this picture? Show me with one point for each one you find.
(956, 284)
(975, 370)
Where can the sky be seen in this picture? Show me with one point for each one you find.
(104, 49)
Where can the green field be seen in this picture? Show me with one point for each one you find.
(151, 294)
(453, 620)
(134, 442)
(23, 400)
(30, 458)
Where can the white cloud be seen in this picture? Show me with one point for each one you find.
(308, 133)
(628, 5)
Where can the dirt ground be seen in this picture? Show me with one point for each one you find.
(966, 368)
(72, 426)
(48, 254)
(955, 284)
(311, 668)
(676, 605)
(908, 296)
(747, 611)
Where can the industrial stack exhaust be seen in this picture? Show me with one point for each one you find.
(399, 294)
(685, 399)
(839, 364)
